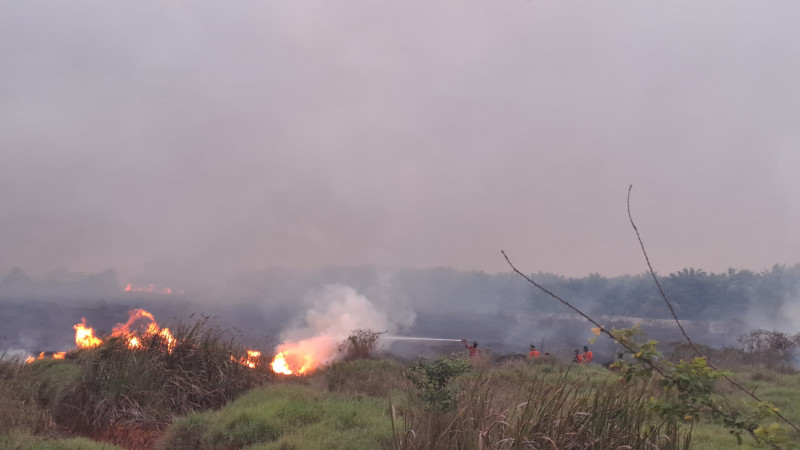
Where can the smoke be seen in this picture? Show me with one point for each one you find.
(336, 311)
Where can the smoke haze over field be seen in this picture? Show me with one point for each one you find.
(184, 143)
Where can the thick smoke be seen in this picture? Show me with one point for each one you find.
(337, 311)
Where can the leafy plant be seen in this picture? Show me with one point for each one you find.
(434, 380)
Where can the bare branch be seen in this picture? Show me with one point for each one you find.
(658, 283)
(569, 305)
(686, 336)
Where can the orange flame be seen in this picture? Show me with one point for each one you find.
(43, 355)
(84, 336)
(134, 339)
(252, 360)
(151, 289)
(134, 332)
(293, 364)
(279, 364)
(303, 357)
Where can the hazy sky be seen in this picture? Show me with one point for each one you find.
(193, 138)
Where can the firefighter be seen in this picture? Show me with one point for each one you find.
(473, 349)
(578, 357)
(533, 353)
(587, 355)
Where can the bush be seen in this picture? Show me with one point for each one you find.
(150, 385)
(433, 381)
(362, 344)
(771, 349)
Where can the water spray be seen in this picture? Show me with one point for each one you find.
(409, 338)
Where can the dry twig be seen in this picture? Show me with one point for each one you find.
(686, 336)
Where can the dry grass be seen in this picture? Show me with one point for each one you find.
(20, 409)
(526, 407)
(153, 384)
(125, 395)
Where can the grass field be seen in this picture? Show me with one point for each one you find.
(198, 398)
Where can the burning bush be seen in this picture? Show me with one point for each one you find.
(158, 378)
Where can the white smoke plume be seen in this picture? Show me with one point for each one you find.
(337, 310)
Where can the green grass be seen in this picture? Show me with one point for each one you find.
(373, 377)
(285, 417)
(24, 441)
(779, 389)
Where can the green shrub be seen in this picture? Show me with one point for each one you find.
(433, 380)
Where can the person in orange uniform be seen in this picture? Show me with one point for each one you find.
(533, 353)
(587, 355)
(578, 357)
(473, 349)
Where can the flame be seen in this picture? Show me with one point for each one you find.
(279, 364)
(43, 355)
(252, 360)
(133, 332)
(151, 289)
(303, 357)
(134, 342)
(128, 331)
(84, 336)
(167, 336)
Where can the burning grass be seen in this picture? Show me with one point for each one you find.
(160, 378)
(118, 391)
(194, 378)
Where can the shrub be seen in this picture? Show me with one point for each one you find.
(772, 349)
(361, 344)
(434, 379)
(156, 382)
